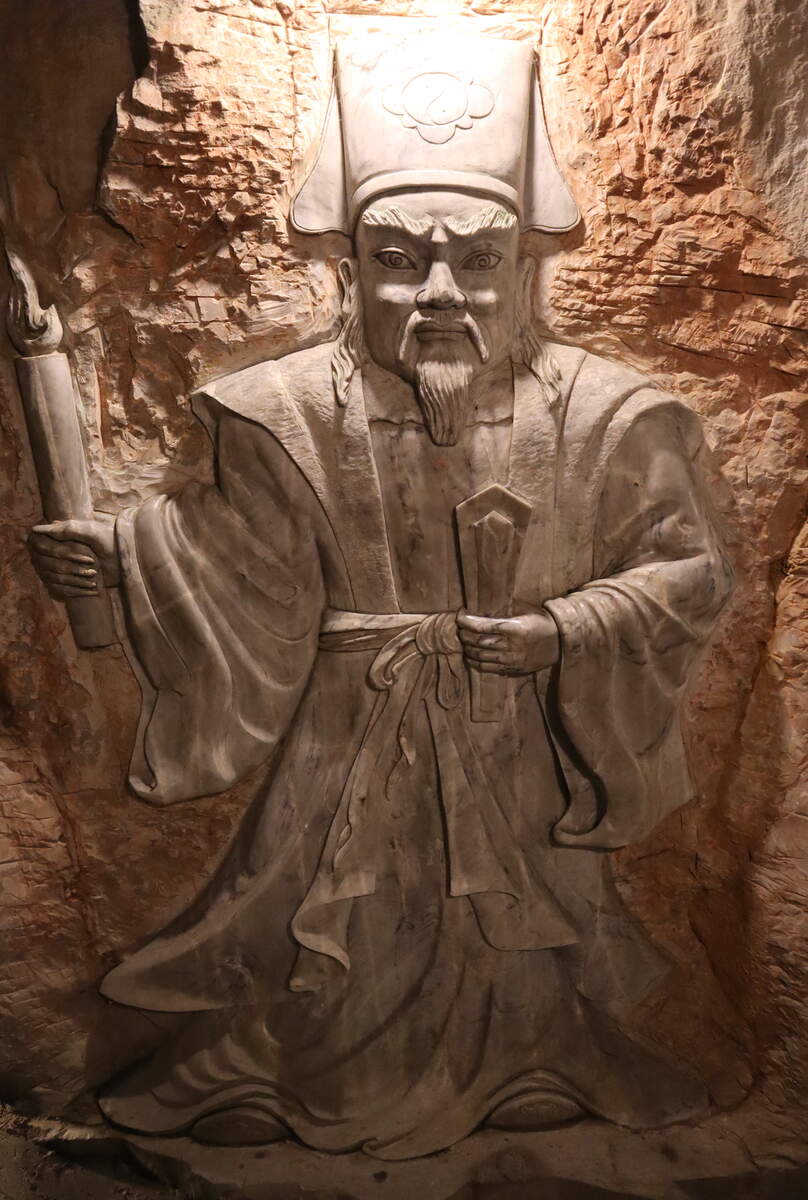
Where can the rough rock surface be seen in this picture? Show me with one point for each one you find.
(681, 126)
(720, 1160)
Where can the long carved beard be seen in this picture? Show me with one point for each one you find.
(442, 388)
(528, 346)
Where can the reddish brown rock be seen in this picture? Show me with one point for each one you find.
(182, 266)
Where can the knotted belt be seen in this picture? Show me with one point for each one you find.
(419, 674)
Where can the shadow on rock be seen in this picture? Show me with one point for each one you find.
(545, 1189)
(757, 1185)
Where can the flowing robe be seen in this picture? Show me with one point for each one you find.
(416, 922)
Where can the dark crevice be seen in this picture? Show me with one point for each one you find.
(138, 40)
(138, 46)
(139, 52)
(105, 145)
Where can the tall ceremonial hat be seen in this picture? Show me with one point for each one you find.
(434, 111)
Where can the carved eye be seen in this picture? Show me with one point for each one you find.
(483, 260)
(395, 260)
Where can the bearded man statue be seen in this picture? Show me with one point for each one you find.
(448, 590)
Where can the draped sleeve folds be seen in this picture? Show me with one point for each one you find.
(222, 591)
(657, 581)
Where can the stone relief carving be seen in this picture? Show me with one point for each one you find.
(438, 103)
(46, 388)
(449, 588)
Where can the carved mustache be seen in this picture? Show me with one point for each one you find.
(446, 321)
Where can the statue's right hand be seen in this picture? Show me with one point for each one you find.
(75, 558)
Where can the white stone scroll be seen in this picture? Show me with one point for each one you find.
(49, 404)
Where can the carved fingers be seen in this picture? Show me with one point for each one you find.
(74, 558)
(66, 568)
(509, 645)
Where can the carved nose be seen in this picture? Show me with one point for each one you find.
(440, 290)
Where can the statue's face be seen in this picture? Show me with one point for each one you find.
(437, 273)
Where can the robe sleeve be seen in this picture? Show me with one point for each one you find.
(222, 592)
(629, 638)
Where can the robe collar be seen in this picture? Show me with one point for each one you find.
(376, 394)
(332, 447)
(337, 459)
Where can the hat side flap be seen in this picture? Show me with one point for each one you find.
(548, 203)
(320, 205)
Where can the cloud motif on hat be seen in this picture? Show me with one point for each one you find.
(438, 103)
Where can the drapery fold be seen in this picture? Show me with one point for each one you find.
(629, 635)
(418, 673)
(225, 628)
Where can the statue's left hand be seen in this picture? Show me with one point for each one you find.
(509, 645)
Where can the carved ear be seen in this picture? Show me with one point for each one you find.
(524, 283)
(346, 277)
(524, 309)
(349, 345)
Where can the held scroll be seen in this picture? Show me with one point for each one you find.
(49, 404)
(46, 387)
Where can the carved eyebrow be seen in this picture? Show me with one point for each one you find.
(397, 219)
(493, 217)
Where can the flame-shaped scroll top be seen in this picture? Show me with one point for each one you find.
(33, 329)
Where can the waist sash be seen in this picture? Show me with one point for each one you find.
(419, 674)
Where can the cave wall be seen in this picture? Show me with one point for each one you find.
(147, 154)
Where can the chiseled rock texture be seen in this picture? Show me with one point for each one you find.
(681, 125)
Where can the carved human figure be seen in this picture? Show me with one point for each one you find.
(415, 931)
